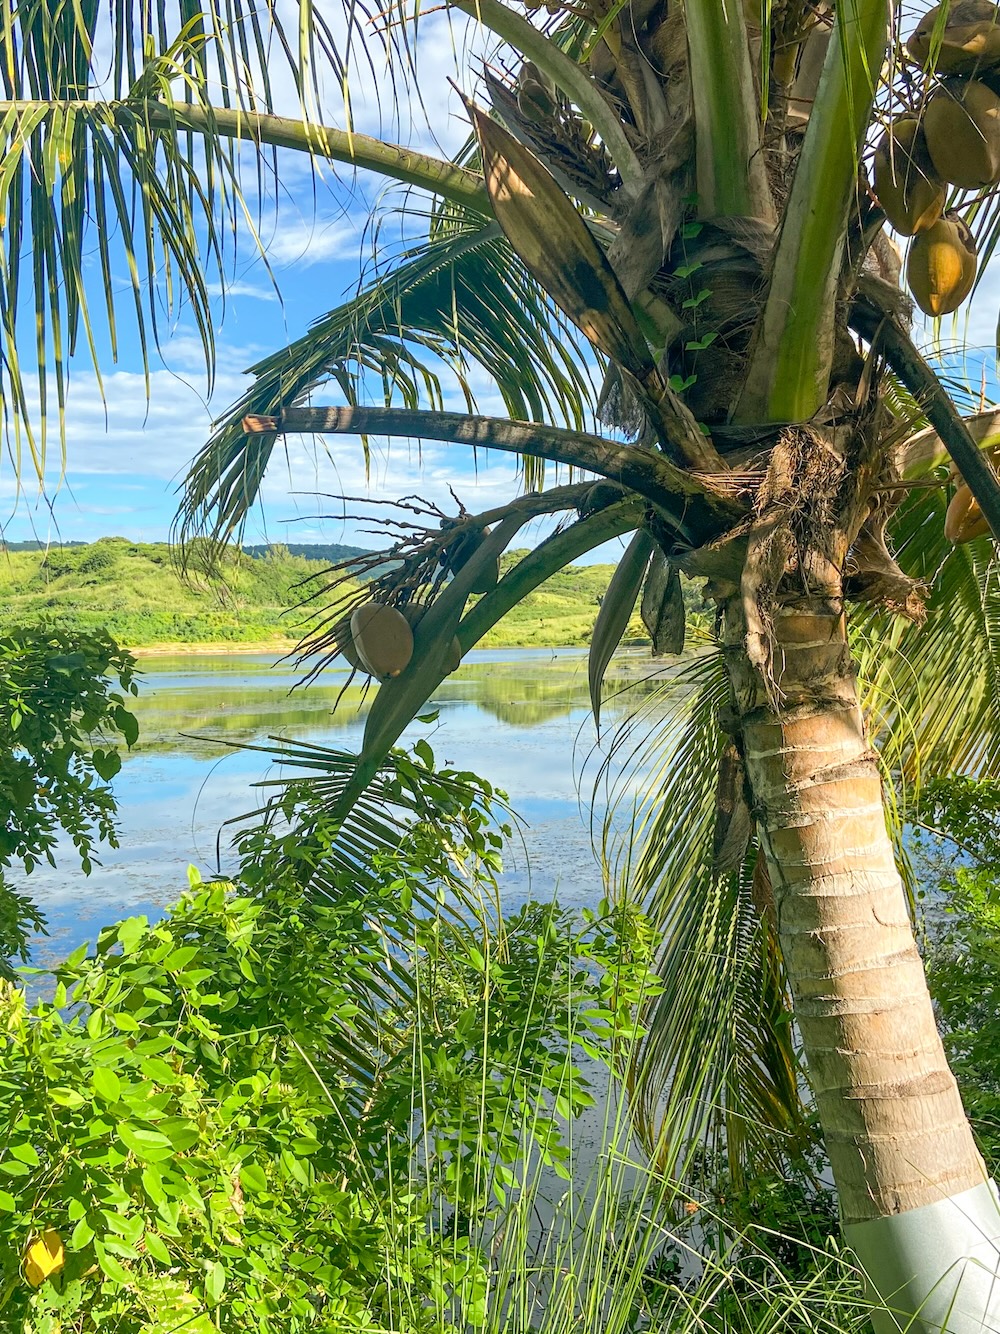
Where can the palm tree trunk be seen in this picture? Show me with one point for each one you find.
(915, 1199)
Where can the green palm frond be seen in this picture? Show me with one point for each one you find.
(456, 300)
(121, 140)
(294, 828)
(935, 688)
(718, 1061)
(88, 174)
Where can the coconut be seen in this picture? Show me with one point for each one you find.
(964, 519)
(970, 37)
(941, 268)
(460, 551)
(536, 94)
(414, 614)
(382, 638)
(962, 131)
(600, 496)
(344, 642)
(906, 183)
(453, 656)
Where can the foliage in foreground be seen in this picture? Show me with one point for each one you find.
(194, 1120)
(60, 717)
(961, 868)
(202, 1118)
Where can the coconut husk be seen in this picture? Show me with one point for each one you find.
(662, 607)
(733, 821)
(872, 575)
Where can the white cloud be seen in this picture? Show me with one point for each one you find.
(303, 241)
(243, 289)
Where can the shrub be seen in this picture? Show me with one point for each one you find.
(282, 1110)
(59, 716)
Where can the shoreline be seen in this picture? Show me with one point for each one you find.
(280, 646)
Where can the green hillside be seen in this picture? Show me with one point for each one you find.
(135, 590)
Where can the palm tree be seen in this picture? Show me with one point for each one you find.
(678, 196)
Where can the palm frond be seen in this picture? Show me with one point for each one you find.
(456, 299)
(294, 829)
(88, 173)
(718, 1061)
(935, 688)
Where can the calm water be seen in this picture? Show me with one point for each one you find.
(520, 718)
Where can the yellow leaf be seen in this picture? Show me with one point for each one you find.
(44, 1256)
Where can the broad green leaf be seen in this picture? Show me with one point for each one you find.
(252, 1178)
(106, 1083)
(24, 1153)
(147, 1145)
(66, 1097)
(157, 1248)
(111, 1267)
(215, 1281)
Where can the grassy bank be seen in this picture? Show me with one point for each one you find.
(136, 592)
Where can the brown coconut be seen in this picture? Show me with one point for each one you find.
(961, 127)
(964, 519)
(453, 655)
(908, 188)
(970, 39)
(941, 268)
(383, 639)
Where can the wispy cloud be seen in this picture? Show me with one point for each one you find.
(302, 241)
(257, 292)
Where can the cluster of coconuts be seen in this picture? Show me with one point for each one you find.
(955, 141)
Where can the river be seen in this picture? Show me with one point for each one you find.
(518, 717)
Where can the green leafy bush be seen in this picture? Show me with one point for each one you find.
(960, 869)
(60, 715)
(280, 1110)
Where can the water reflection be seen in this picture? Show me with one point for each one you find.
(518, 717)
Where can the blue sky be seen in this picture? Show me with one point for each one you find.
(126, 456)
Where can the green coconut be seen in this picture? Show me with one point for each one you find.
(536, 94)
(908, 188)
